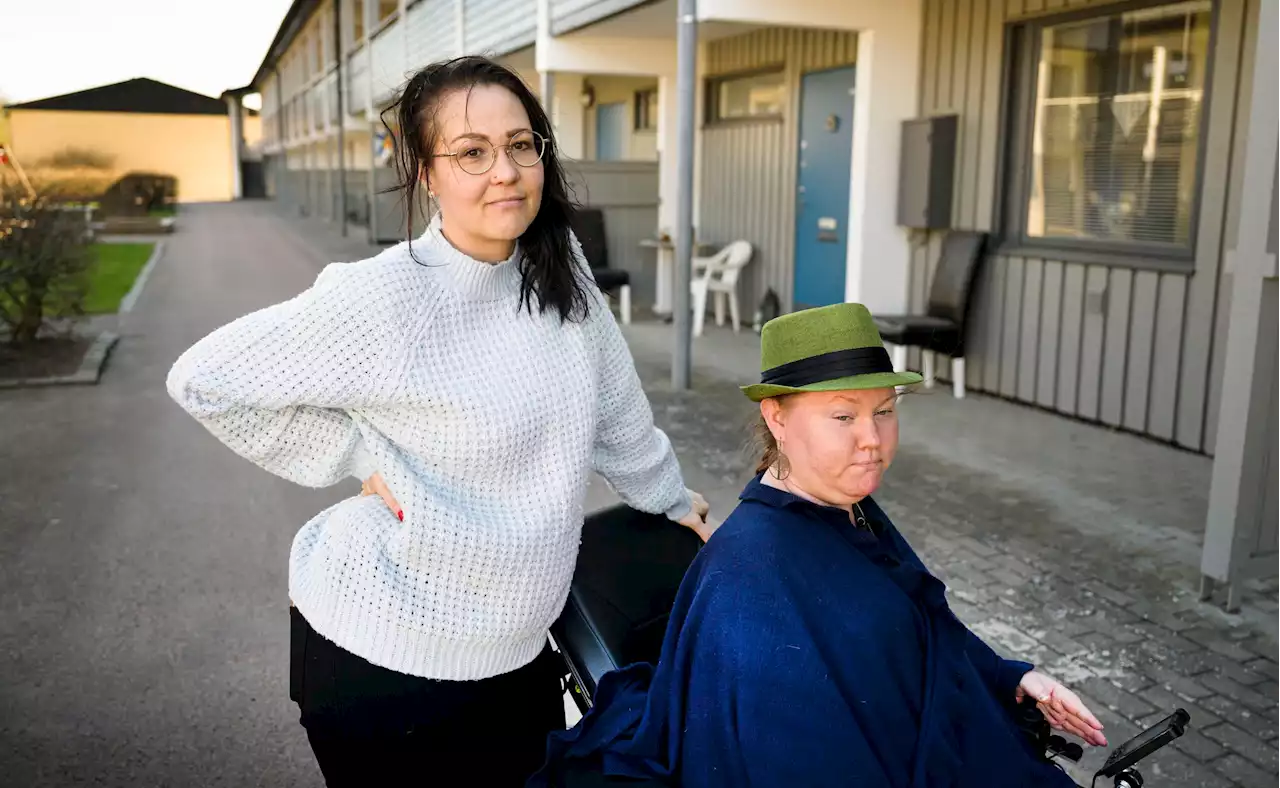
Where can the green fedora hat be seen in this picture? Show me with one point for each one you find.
(828, 348)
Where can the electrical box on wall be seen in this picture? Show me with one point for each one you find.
(927, 172)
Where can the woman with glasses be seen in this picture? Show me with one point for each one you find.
(473, 377)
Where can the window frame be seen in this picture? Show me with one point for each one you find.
(711, 103)
(640, 110)
(1023, 47)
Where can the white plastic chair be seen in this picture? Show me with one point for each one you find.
(719, 275)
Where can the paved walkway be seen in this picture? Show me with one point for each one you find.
(143, 596)
(142, 566)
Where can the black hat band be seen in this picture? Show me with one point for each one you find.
(829, 366)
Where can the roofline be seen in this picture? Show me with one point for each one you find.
(299, 11)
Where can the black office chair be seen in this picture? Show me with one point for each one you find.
(588, 226)
(630, 565)
(942, 328)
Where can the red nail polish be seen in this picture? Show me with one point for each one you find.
(400, 514)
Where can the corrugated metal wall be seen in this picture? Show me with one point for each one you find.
(496, 27)
(432, 26)
(389, 66)
(356, 76)
(627, 193)
(1135, 349)
(749, 169)
(567, 15)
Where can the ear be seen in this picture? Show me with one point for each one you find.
(772, 413)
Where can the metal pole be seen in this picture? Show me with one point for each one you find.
(686, 76)
(342, 117)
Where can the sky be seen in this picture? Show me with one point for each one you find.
(51, 47)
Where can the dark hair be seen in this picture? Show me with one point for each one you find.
(549, 274)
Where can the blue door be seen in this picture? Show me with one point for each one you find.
(822, 188)
(611, 131)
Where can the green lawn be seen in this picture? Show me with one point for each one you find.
(111, 274)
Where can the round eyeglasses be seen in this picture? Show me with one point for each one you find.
(477, 156)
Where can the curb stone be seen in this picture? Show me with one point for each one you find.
(131, 297)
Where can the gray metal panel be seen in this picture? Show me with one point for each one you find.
(750, 157)
(1029, 333)
(1271, 231)
(1199, 323)
(568, 15)
(1243, 86)
(1095, 295)
(1050, 327)
(1268, 532)
(431, 27)
(497, 27)
(993, 329)
(390, 69)
(1163, 399)
(356, 77)
(1142, 325)
(1217, 361)
(391, 220)
(947, 44)
(627, 193)
(1070, 337)
(1115, 349)
(988, 112)
(358, 196)
(973, 63)
(749, 169)
(927, 172)
(1009, 355)
(919, 275)
(980, 315)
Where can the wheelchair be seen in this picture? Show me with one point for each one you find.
(629, 569)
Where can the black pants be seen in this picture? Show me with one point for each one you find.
(371, 726)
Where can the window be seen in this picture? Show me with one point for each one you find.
(646, 110)
(303, 63)
(1107, 121)
(387, 9)
(318, 40)
(746, 97)
(357, 21)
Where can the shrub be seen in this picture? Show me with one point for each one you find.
(44, 257)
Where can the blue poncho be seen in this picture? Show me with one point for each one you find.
(804, 651)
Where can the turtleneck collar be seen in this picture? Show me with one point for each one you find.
(472, 278)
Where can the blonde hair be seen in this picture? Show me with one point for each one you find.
(766, 445)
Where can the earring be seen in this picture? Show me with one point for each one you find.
(782, 467)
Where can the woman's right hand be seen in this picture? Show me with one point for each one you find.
(697, 517)
(374, 485)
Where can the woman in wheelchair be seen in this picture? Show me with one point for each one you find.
(808, 645)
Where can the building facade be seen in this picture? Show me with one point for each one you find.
(1120, 158)
(1098, 144)
(140, 125)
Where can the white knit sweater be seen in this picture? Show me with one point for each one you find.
(485, 422)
